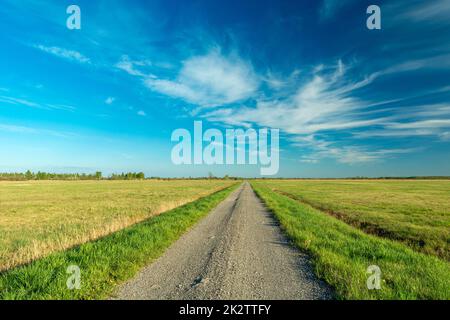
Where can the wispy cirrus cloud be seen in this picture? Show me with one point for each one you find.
(110, 100)
(357, 155)
(431, 62)
(33, 104)
(421, 120)
(420, 11)
(309, 160)
(63, 107)
(30, 130)
(328, 105)
(207, 80)
(346, 154)
(132, 66)
(284, 72)
(422, 124)
(71, 55)
(20, 101)
(445, 136)
(324, 102)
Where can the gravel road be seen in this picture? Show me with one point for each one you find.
(236, 252)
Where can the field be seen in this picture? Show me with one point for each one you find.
(108, 261)
(331, 220)
(111, 229)
(415, 212)
(41, 217)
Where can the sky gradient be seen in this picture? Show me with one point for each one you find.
(348, 101)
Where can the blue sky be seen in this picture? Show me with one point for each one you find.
(348, 101)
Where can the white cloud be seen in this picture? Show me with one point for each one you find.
(423, 124)
(33, 104)
(126, 65)
(326, 103)
(110, 100)
(394, 133)
(432, 62)
(64, 53)
(62, 107)
(16, 129)
(433, 11)
(28, 130)
(210, 80)
(141, 113)
(130, 66)
(207, 81)
(420, 120)
(310, 161)
(351, 155)
(19, 101)
(445, 136)
(275, 82)
(175, 89)
(305, 106)
(320, 104)
(355, 155)
(325, 106)
(347, 154)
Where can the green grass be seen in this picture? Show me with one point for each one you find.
(341, 254)
(41, 217)
(107, 261)
(414, 212)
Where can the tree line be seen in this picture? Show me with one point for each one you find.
(29, 175)
(128, 176)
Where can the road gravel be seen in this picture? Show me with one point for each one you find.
(237, 251)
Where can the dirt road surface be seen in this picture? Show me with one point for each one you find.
(236, 252)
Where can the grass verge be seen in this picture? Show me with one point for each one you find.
(341, 254)
(108, 261)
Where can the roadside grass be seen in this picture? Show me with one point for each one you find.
(414, 212)
(108, 261)
(342, 254)
(41, 217)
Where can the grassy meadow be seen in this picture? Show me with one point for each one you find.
(41, 217)
(343, 251)
(415, 212)
(111, 229)
(108, 261)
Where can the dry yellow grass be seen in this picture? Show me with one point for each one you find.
(40, 217)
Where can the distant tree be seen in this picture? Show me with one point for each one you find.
(140, 176)
(98, 175)
(29, 175)
(41, 175)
